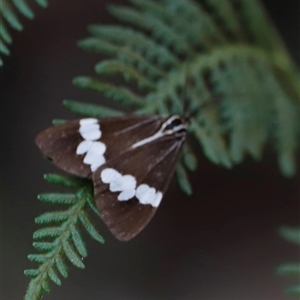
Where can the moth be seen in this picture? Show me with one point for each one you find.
(130, 159)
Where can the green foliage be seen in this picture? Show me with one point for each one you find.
(226, 60)
(292, 235)
(61, 237)
(90, 110)
(9, 10)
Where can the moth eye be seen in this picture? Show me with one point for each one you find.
(176, 122)
(168, 127)
(173, 124)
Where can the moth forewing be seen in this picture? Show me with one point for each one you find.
(152, 167)
(131, 160)
(60, 143)
(81, 146)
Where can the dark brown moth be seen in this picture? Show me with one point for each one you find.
(130, 159)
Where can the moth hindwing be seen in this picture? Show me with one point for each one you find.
(131, 160)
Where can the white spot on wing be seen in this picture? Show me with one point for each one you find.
(83, 147)
(128, 182)
(126, 195)
(89, 127)
(158, 199)
(145, 194)
(94, 156)
(99, 161)
(125, 184)
(97, 148)
(90, 132)
(108, 175)
(88, 121)
(148, 195)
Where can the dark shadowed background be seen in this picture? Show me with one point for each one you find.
(219, 244)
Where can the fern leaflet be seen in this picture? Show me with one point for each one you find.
(9, 10)
(62, 237)
(175, 49)
(291, 269)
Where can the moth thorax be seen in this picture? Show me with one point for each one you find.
(174, 125)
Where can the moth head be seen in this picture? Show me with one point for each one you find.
(175, 125)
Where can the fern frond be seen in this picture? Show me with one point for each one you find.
(183, 179)
(90, 228)
(120, 94)
(289, 269)
(91, 110)
(52, 217)
(44, 246)
(78, 242)
(109, 67)
(71, 182)
(224, 57)
(129, 56)
(9, 10)
(160, 30)
(63, 238)
(292, 235)
(189, 158)
(68, 199)
(137, 41)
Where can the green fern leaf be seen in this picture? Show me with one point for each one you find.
(120, 94)
(46, 232)
(183, 179)
(72, 255)
(189, 158)
(10, 16)
(67, 199)
(61, 267)
(130, 74)
(31, 273)
(5, 36)
(289, 269)
(160, 30)
(43, 3)
(58, 121)
(9, 10)
(38, 258)
(71, 182)
(292, 235)
(4, 49)
(52, 217)
(53, 276)
(293, 290)
(91, 110)
(90, 228)
(78, 242)
(204, 51)
(137, 42)
(43, 246)
(23, 8)
(63, 239)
